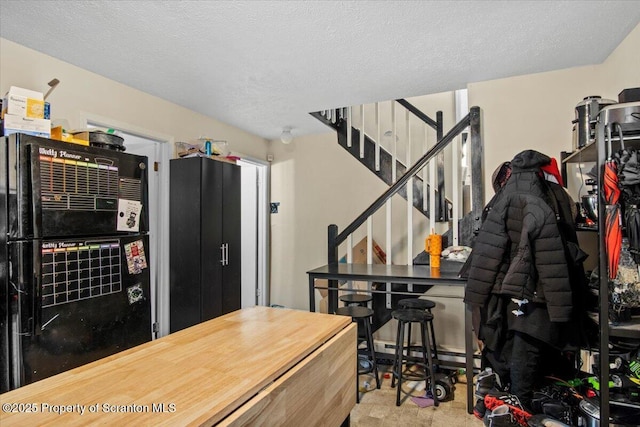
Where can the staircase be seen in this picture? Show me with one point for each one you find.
(456, 220)
(381, 162)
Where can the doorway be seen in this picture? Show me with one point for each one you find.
(254, 216)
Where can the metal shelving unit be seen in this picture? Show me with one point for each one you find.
(599, 151)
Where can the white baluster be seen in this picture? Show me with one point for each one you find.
(433, 164)
(377, 152)
(370, 240)
(394, 158)
(362, 132)
(425, 147)
(349, 132)
(409, 189)
(394, 139)
(455, 193)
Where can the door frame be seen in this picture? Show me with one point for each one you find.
(160, 289)
(263, 258)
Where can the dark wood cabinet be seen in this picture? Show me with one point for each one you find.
(205, 228)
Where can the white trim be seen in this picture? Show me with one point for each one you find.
(86, 118)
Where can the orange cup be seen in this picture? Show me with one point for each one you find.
(433, 246)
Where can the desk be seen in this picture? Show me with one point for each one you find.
(420, 276)
(260, 365)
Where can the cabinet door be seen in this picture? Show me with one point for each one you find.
(185, 238)
(231, 235)
(212, 187)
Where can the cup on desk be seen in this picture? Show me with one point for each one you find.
(433, 246)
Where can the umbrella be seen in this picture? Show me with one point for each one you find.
(612, 218)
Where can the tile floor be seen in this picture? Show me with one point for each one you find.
(377, 408)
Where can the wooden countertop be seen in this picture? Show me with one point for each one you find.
(195, 376)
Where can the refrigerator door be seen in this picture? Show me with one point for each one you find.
(76, 301)
(58, 189)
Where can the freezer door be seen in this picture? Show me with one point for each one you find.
(58, 189)
(76, 301)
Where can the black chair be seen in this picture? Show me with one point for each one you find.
(407, 316)
(356, 299)
(426, 305)
(363, 315)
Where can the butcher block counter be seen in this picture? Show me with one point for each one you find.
(258, 365)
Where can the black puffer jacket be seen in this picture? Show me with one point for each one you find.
(519, 251)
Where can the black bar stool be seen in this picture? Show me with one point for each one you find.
(426, 305)
(356, 299)
(407, 316)
(363, 315)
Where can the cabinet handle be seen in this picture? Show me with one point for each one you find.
(222, 254)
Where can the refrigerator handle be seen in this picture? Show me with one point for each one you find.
(222, 254)
(226, 250)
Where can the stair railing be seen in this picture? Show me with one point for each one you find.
(471, 121)
(426, 187)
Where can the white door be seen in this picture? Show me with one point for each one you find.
(254, 218)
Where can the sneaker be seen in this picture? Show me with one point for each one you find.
(498, 397)
(549, 403)
(479, 410)
(495, 399)
(501, 416)
(542, 420)
(486, 381)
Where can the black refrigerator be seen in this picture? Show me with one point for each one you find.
(205, 269)
(74, 266)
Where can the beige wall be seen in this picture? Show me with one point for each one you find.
(81, 91)
(535, 111)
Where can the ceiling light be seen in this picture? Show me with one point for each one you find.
(286, 137)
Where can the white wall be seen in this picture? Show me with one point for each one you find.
(81, 91)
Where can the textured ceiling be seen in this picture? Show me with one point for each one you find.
(263, 65)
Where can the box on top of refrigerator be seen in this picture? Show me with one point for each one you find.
(24, 103)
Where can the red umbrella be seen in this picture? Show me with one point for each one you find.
(612, 218)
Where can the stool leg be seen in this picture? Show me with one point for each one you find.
(357, 367)
(372, 349)
(395, 357)
(429, 361)
(408, 341)
(400, 360)
(433, 336)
